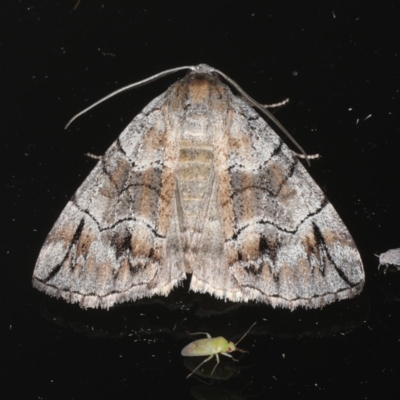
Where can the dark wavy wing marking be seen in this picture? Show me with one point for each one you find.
(118, 238)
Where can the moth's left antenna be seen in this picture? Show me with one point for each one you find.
(125, 88)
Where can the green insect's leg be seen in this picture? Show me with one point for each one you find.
(216, 364)
(206, 360)
(230, 356)
(200, 333)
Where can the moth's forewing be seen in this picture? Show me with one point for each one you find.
(268, 234)
(118, 238)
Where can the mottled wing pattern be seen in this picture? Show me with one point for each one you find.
(119, 236)
(199, 183)
(269, 225)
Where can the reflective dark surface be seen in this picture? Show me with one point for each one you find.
(339, 65)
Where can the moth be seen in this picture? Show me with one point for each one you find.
(198, 183)
(390, 258)
(212, 347)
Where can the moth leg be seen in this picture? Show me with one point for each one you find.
(281, 103)
(306, 156)
(94, 156)
(203, 362)
(230, 356)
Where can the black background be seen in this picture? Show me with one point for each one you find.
(338, 64)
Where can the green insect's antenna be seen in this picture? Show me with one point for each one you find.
(248, 330)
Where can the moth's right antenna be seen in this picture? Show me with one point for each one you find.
(262, 108)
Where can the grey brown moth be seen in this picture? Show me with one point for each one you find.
(198, 183)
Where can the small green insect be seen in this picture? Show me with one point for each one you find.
(211, 347)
